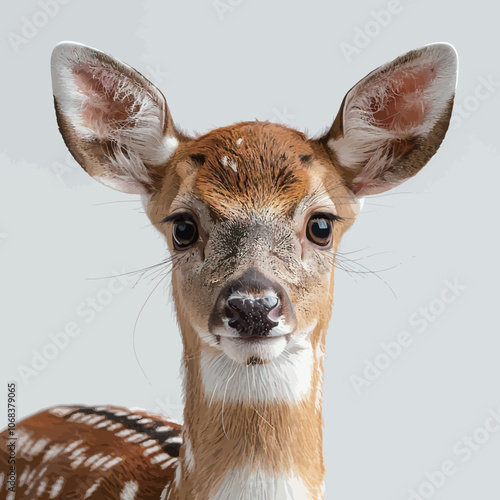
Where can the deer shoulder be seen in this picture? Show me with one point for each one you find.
(103, 452)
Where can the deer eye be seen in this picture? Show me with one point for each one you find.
(184, 232)
(320, 229)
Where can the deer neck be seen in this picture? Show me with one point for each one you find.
(255, 428)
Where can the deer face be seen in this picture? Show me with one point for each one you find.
(252, 213)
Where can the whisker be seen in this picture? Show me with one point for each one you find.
(345, 264)
(168, 260)
(224, 400)
(117, 201)
(135, 326)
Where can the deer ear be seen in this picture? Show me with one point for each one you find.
(113, 120)
(393, 121)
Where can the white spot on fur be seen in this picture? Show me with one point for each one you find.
(60, 411)
(129, 490)
(78, 452)
(166, 465)
(72, 446)
(57, 487)
(138, 409)
(100, 462)
(175, 439)
(171, 144)
(38, 447)
(152, 449)
(188, 453)
(103, 424)
(226, 162)
(77, 462)
(260, 485)
(125, 433)
(32, 480)
(161, 457)
(178, 474)
(239, 141)
(41, 487)
(95, 419)
(136, 438)
(163, 495)
(92, 459)
(86, 418)
(112, 463)
(163, 428)
(24, 475)
(286, 379)
(93, 488)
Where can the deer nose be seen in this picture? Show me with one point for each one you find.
(251, 316)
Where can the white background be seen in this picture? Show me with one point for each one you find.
(283, 61)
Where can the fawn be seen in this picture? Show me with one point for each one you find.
(252, 214)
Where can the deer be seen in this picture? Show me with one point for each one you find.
(252, 215)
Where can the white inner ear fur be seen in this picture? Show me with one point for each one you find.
(365, 145)
(101, 103)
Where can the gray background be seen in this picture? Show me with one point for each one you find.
(62, 235)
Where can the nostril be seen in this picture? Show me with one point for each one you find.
(269, 302)
(248, 305)
(240, 305)
(231, 310)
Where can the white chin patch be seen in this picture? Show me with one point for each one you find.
(228, 376)
(245, 352)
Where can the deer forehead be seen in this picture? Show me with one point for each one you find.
(252, 170)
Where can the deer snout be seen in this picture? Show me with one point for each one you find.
(252, 308)
(252, 316)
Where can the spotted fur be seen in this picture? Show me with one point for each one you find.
(101, 453)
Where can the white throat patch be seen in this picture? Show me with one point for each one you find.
(243, 485)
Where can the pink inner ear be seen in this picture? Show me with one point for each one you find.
(107, 105)
(403, 103)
